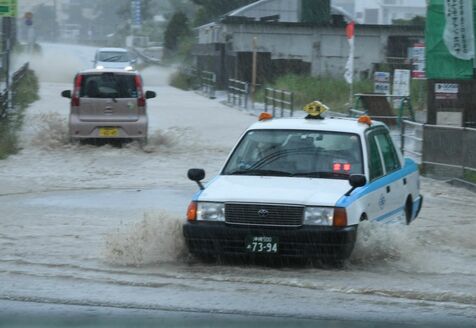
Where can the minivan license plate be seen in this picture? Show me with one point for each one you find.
(268, 245)
(108, 132)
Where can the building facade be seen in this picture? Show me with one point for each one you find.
(286, 44)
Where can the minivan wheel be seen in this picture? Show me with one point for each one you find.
(74, 141)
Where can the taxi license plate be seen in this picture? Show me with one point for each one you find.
(266, 245)
(108, 132)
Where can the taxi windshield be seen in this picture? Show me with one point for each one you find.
(313, 154)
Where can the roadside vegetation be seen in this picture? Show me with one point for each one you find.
(332, 92)
(26, 92)
(470, 176)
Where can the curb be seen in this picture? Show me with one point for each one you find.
(462, 184)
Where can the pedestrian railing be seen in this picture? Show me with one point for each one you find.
(238, 93)
(411, 140)
(7, 96)
(279, 100)
(208, 81)
(449, 150)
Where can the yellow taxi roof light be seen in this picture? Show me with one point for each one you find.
(315, 109)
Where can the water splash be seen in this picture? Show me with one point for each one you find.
(157, 238)
(51, 131)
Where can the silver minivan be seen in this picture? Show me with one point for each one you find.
(113, 58)
(108, 104)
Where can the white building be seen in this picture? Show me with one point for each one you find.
(386, 11)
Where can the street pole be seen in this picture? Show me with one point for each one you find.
(254, 73)
(6, 21)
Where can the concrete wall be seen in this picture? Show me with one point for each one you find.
(326, 48)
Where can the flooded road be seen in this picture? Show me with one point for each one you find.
(99, 228)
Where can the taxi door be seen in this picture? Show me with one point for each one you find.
(384, 200)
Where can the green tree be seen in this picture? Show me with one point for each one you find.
(212, 9)
(415, 21)
(45, 25)
(177, 28)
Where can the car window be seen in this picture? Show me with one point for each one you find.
(375, 161)
(389, 153)
(297, 153)
(113, 56)
(108, 85)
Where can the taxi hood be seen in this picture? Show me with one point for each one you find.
(279, 190)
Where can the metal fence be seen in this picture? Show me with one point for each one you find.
(238, 93)
(449, 151)
(208, 82)
(281, 100)
(411, 140)
(8, 95)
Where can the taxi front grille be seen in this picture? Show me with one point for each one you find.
(264, 215)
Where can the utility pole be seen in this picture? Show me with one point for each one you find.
(254, 72)
(7, 34)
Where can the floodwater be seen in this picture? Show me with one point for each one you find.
(97, 229)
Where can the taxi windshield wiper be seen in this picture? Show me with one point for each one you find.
(322, 174)
(262, 172)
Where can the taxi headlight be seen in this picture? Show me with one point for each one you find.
(99, 67)
(319, 216)
(129, 68)
(210, 211)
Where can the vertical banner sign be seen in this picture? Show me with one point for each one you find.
(459, 34)
(417, 58)
(349, 67)
(136, 16)
(382, 83)
(401, 82)
(401, 86)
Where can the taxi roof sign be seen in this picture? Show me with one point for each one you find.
(315, 109)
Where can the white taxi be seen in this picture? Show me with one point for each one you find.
(299, 187)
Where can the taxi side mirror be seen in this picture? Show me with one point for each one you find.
(356, 181)
(66, 94)
(197, 175)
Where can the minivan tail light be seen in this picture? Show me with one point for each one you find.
(140, 92)
(77, 88)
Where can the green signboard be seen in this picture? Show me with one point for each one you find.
(449, 44)
(8, 8)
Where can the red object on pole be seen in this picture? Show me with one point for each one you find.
(350, 30)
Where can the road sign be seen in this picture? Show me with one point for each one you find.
(382, 82)
(136, 16)
(8, 8)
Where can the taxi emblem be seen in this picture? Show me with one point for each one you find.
(263, 213)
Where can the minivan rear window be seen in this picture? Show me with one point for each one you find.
(108, 85)
(110, 56)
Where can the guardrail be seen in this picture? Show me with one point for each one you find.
(279, 99)
(208, 81)
(448, 150)
(9, 94)
(238, 93)
(411, 140)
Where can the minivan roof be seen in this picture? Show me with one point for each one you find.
(108, 70)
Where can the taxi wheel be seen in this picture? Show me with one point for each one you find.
(408, 210)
